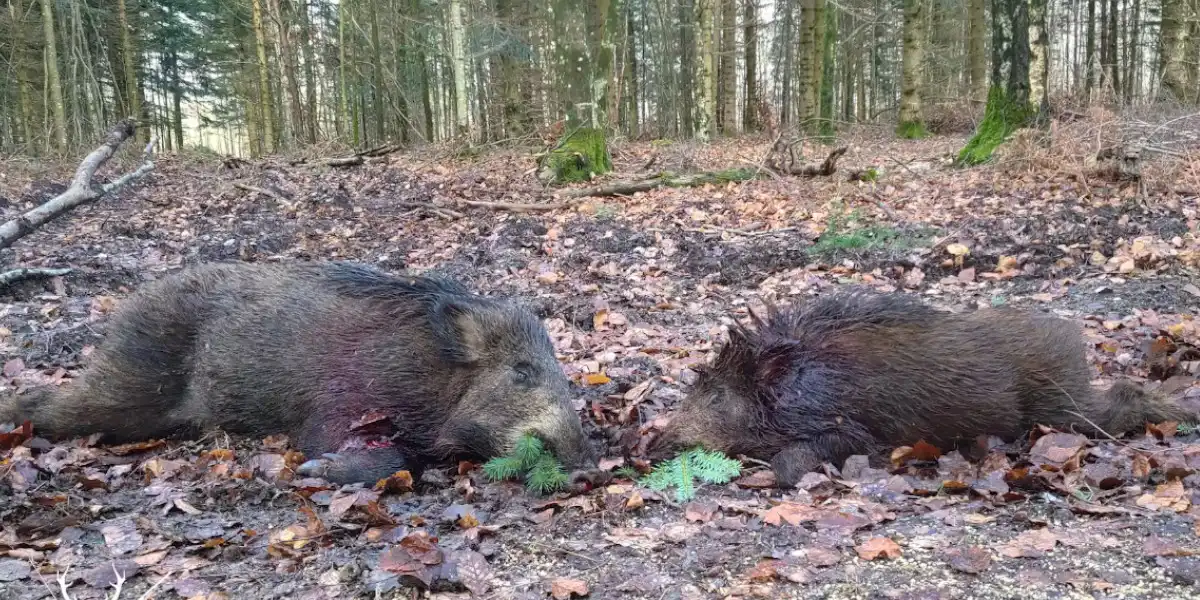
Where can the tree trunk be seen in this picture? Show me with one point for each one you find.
(706, 76)
(265, 102)
(976, 54)
(1112, 62)
(378, 87)
(22, 70)
(1008, 106)
(632, 78)
(458, 65)
(1089, 55)
(687, 66)
(912, 122)
(788, 67)
(806, 109)
(310, 77)
(176, 90)
(1039, 57)
(1174, 47)
(728, 67)
(750, 40)
(129, 62)
(53, 82)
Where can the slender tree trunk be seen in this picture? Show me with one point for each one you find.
(632, 81)
(976, 54)
(176, 90)
(788, 67)
(1174, 47)
(1113, 63)
(266, 103)
(1039, 61)
(458, 65)
(912, 121)
(310, 76)
(750, 40)
(728, 67)
(378, 86)
(53, 81)
(806, 110)
(1089, 55)
(687, 66)
(22, 69)
(706, 73)
(129, 58)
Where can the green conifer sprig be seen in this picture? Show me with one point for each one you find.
(542, 472)
(681, 472)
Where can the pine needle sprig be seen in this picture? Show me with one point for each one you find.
(529, 459)
(681, 472)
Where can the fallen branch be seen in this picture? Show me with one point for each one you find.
(265, 192)
(81, 191)
(8, 278)
(624, 188)
(346, 161)
(515, 206)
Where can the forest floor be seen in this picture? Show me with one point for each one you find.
(636, 291)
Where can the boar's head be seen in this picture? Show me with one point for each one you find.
(510, 383)
(732, 408)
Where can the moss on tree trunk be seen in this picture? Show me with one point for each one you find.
(577, 158)
(1001, 118)
(911, 130)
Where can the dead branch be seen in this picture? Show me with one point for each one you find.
(441, 211)
(82, 190)
(263, 191)
(8, 278)
(624, 188)
(515, 206)
(345, 161)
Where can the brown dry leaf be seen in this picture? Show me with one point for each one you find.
(1140, 467)
(219, 454)
(972, 559)
(396, 483)
(792, 513)
(474, 571)
(341, 504)
(699, 512)
(635, 501)
(821, 556)
(878, 547)
(1168, 496)
(13, 367)
(136, 447)
(765, 570)
(596, 379)
(565, 589)
(1156, 546)
(1057, 449)
(764, 479)
(1033, 543)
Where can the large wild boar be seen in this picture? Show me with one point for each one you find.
(314, 350)
(860, 373)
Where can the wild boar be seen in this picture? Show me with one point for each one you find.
(368, 373)
(861, 373)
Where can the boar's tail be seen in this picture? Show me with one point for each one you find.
(1128, 407)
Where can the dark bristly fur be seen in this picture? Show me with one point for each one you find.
(861, 372)
(309, 350)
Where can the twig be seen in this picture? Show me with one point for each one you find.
(62, 583)
(8, 278)
(265, 192)
(146, 595)
(515, 206)
(119, 584)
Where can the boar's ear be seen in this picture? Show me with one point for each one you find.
(460, 326)
(773, 365)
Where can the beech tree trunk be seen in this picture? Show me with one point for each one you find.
(53, 81)
(912, 122)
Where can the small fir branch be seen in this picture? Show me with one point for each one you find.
(681, 472)
(529, 459)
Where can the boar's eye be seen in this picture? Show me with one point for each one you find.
(523, 374)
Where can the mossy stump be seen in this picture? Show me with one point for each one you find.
(911, 130)
(1001, 118)
(577, 158)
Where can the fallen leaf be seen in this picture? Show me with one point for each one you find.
(596, 379)
(972, 559)
(474, 571)
(820, 556)
(565, 589)
(1167, 496)
(765, 570)
(792, 513)
(1033, 543)
(957, 249)
(878, 547)
(396, 483)
(13, 367)
(121, 536)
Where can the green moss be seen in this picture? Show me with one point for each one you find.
(846, 236)
(579, 157)
(911, 130)
(1001, 118)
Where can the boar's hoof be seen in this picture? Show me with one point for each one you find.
(792, 463)
(318, 467)
(585, 480)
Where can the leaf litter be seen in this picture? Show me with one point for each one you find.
(637, 293)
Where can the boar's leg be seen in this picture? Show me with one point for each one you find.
(353, 466)
(793, 461)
